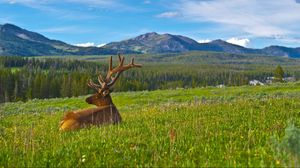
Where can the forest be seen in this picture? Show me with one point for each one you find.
(23, 78)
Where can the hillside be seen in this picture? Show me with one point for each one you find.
(167, 43)
(199, 57)
(208, 127)
(15, 41)
(156, 43)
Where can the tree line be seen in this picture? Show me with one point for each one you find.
(22, 79)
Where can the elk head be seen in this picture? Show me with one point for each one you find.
(102, 97)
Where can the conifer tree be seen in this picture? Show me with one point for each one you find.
(278, 74)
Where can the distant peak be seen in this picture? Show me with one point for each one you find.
(147, 35)
(218, 41)
(10, 26)
(152, 33)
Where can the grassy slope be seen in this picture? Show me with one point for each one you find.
(196, 127)
(193, 57)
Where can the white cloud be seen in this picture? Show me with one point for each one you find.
(101, 45)
(89, 44)
(65, 29)
(241, 42)
(204, 41)
(95, 3)
(98, 3)
(267, 18)
(50, 6)
(57, 29)
(168, 15)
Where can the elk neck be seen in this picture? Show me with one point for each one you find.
(106, 101)
(100, 101)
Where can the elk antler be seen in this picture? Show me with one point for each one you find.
(110, 80)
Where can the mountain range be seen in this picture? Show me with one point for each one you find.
(164, 43)
(15, 41)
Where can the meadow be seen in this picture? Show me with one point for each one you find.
(229, 127)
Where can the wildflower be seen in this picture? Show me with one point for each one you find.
(83, 158)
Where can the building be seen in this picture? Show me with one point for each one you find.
(255, 83)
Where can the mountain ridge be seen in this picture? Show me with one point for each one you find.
(15, 41)
(189, 44)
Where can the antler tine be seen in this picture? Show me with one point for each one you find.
(135, 65)
(132, 61)
(100, 80)
(130, 65)
(110, 64)
(121, 61)
(114, 70)
(91, 84)
(110, 80)
(119, 55)
(118, 70)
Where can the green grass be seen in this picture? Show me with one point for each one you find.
(192, 57)
(232, 126)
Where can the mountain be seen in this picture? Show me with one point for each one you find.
(15, 41)
(164, 43)
(155, 43)
(223, 46)
(282, 51)
(167, 43)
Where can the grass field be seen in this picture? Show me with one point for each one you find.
(232, 126)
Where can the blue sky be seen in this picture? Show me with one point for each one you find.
(251, 23)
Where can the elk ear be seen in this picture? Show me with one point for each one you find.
(91, 99)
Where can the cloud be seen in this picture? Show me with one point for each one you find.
(237, 41)
(66, 29)
(49, 7)
(284, 39)
(204, 41)
(89, 44)
(267, 18)
(56, 7)
(241, 42)
(101, 45)
(168, 15)
(57, 30)
(94, 3)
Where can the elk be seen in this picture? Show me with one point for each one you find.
(105, 112)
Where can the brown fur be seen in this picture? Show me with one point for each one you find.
(93, 116)
(105, 113)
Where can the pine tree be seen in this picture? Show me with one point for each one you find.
(278, 74)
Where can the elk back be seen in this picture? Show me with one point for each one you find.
(93, 116)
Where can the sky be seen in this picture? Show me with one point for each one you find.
(249, 23)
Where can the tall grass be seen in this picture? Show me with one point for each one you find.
(234, 126)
